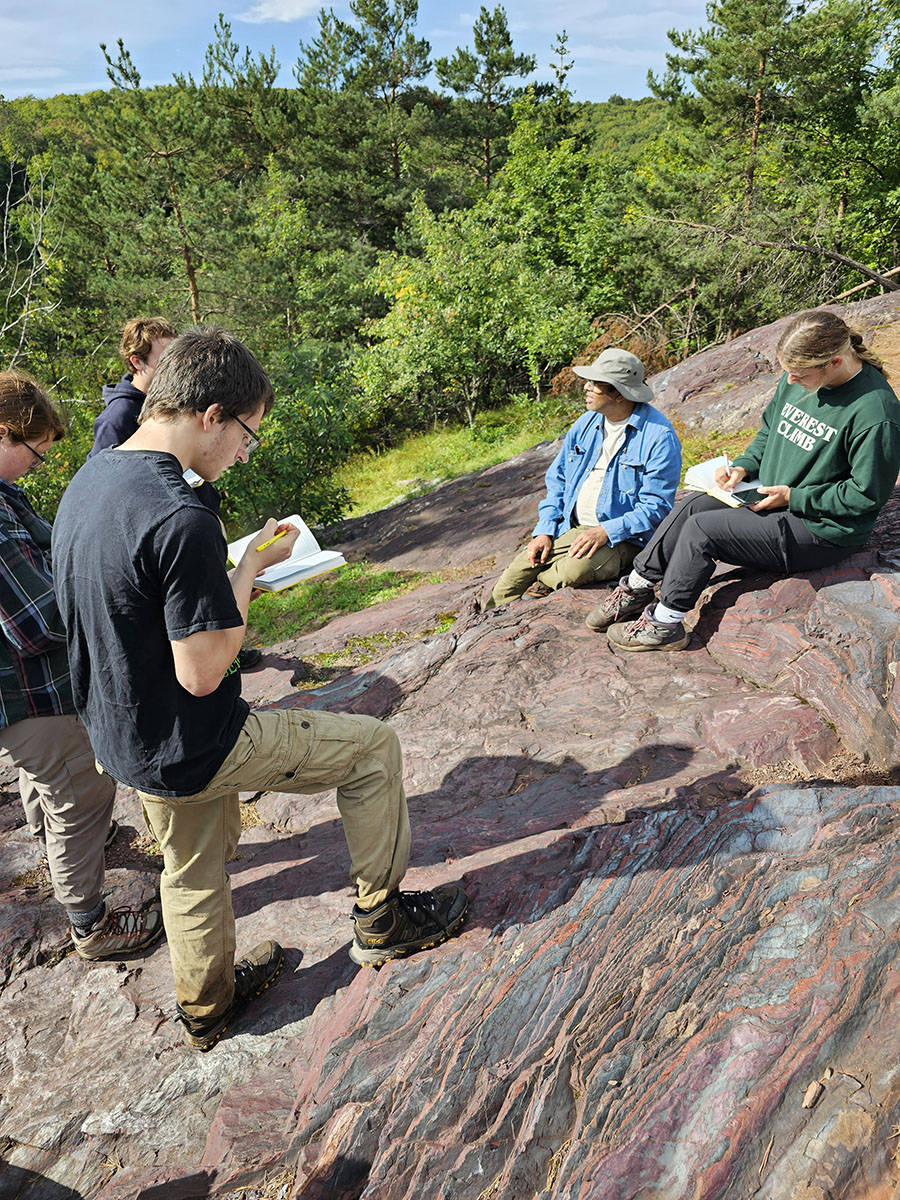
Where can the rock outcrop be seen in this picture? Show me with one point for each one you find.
(679, 974)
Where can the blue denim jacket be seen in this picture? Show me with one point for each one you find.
(639, 488)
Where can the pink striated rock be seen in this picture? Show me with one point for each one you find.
(657, 961)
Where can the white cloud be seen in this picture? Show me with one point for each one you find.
(609, 52)
(278, 10)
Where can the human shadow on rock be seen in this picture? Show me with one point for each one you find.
(341, 1178)
(16, 1183)
(528, 796)
(482, 804)
(526, 887)
(191, 1187)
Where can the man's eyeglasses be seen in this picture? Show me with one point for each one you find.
(251, 442)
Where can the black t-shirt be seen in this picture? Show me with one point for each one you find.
(139, 562)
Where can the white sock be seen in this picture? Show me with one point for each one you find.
(669, 616)
(638, 583)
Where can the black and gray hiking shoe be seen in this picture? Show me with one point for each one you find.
(406, 922)
(249, 657)
(621, 603)
(252, 975)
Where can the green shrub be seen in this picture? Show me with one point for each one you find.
(304, 437)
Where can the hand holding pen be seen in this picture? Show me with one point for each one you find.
(729, 476)
(276, 546)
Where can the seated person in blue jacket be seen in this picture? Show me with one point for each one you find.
(609, 487)
(143, 340)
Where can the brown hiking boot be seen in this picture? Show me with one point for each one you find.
(252, 975)
(118, 932)
(621, 603)
(647, 634)
(406, 922)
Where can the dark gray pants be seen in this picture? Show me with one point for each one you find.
(702, 530)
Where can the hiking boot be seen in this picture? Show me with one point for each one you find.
(647, 634)
(406, 922)
(252, 975)
(118, 932)
(621, 603)
(538, 590)
(249, 657)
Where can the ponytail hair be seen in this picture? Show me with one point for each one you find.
(812, 338)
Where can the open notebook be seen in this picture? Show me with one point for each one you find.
(702, 478)
(307, 559)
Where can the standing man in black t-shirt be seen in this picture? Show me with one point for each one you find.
(143, 341)
(154, 623)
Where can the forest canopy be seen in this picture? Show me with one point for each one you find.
(399, 255)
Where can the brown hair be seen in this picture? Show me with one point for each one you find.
(206, 366)
(27, 410)
(812, 338)
(139, 335)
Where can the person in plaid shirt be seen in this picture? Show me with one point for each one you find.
(68, 802)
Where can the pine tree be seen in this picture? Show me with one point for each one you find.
(392, 59)
(483, 78)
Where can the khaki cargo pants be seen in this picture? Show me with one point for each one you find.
(290, 750)
(561, 569)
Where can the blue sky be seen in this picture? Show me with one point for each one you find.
(52, 46)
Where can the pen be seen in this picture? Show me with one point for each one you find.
(272, 539)
(728, 466)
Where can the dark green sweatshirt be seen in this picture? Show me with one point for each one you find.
(837, 449)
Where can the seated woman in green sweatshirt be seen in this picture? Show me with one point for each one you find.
(827, 456)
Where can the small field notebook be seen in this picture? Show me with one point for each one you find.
(307, 559)
(701, 477)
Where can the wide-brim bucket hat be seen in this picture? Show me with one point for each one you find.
(623, 370)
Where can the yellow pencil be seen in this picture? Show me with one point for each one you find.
(272, 540)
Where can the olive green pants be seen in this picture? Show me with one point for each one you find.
(291, 750)
(561, 569)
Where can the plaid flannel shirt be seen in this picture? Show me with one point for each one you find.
(34, 665)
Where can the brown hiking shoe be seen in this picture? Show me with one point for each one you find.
(621, 603)
(118, 932)
(538, 590)
(406, 922)
(252, 975)
(647, 634)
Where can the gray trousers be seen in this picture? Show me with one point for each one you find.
(66, 800)
(697, 533)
